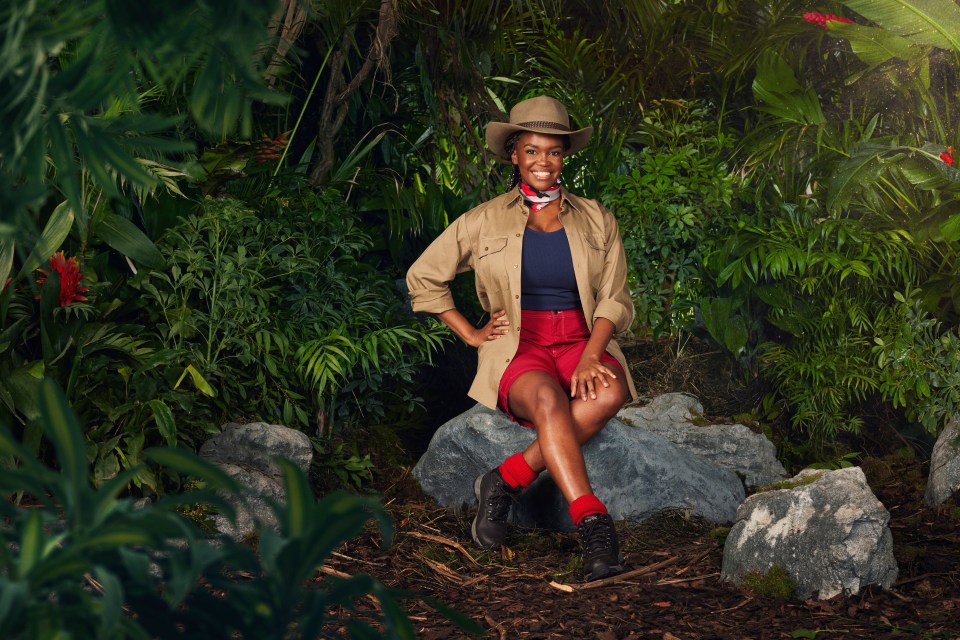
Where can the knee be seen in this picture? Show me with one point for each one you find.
(549, 400)
(611, 399)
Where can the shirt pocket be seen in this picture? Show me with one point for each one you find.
(491, 266)
(596, 253)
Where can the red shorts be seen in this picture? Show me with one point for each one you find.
(550, 341)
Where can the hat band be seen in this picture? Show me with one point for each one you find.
(543, 124)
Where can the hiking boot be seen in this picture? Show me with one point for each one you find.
(601, 552)
(495, 496)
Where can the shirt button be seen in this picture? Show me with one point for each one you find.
(508, 359)
(518, 235)
(516, 266)
(517, 297)
(486, 248)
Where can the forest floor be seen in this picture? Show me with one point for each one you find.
(531, 587)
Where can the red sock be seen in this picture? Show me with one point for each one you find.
(516, 472)
(584, 506)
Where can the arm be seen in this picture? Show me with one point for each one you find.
(496, 327)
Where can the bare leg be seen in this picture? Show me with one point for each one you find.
(563, 426)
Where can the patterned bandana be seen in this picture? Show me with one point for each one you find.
(537, 200)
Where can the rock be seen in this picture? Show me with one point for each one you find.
(634, 472)
(730, 446)
(246, 453)
(254, 445)
(944, 478)
(667, 409)
(828, 532)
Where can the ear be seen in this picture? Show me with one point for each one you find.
(513, 156)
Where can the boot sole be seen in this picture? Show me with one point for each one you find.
(611, 571)
(473, 526)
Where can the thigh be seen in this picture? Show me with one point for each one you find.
(528, 358)
(536, 391)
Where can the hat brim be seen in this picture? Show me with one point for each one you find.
(498, 132)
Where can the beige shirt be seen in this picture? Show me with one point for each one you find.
(488, 239)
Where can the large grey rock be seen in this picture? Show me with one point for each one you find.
(830, 535)
(634, 472)
(732, 446)
(944, 478)
(246, 453)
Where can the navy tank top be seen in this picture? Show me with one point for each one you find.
(547, 280)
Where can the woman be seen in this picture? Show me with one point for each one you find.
(551, 271)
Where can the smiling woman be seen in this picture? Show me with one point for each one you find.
(550, 270)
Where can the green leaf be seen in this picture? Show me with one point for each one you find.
(927, 22)
(6, 261)
(198, 380)
(777, 88)
(128, 239)
(64, 430)
(188, 463)
(56, 231)
(875, 46)
(295, 516)
(31, 543)
(165, 422)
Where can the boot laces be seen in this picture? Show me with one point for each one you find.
(597, 535)
(498, 503)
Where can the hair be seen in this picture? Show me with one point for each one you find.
(509, 145)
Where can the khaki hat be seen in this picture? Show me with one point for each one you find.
(539, 115)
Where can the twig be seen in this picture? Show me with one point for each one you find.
(345, 557)
(568, 588)
(447, 542)
(749, 598)
(682, 580)
(330, 571)
(440, 568)
(496, 625)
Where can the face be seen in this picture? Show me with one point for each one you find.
(539, 156)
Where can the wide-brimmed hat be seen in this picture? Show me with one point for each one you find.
(539, 115)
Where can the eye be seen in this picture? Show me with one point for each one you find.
(556, 153)
(531, 152)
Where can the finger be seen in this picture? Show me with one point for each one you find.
(590, 388)
(602, 376)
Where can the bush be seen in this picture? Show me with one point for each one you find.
(82, 563)
(667, 204)
(279, 314)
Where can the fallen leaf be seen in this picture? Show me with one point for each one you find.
(661, 604)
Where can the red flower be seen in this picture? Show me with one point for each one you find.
(947, 156)
(823, 18)
(70, 278)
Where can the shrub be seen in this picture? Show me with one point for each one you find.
(83, 563)
(667, 203)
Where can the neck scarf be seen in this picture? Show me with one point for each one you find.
(537, 200)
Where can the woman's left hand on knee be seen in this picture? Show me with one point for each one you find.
(585, 377)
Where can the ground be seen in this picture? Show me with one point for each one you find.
(531, 589)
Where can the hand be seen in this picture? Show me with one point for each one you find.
(498, 326)
(585, 376)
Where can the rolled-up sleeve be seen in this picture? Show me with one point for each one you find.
(613, 294)
(429, 278)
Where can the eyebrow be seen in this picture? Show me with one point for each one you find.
(534, 146)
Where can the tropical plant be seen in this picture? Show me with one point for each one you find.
(88, 106)
(675, 191)
(277, 312)
(85, 562)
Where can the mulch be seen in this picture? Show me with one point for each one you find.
(672, 589)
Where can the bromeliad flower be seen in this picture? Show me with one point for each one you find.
(822, 19)
(70, 278)
(947, 156)
(269, 149)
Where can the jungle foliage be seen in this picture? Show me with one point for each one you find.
(205, 209)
